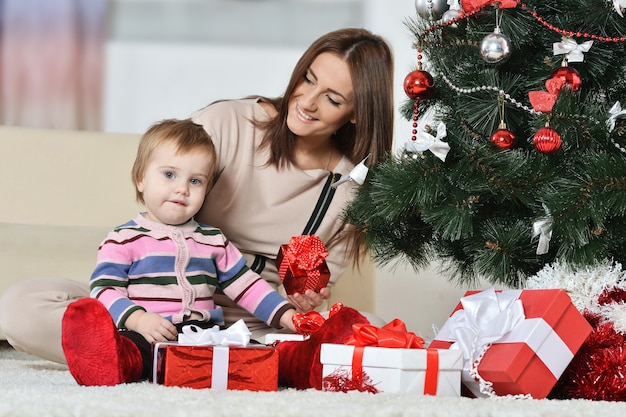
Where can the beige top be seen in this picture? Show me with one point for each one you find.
(258, 206)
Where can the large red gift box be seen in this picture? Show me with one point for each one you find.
(301, 264)
(515, 342)
(216, 367)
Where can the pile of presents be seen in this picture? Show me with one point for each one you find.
(515, 343)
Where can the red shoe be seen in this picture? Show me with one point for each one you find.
(95, 351)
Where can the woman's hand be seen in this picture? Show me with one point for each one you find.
(309, 300)
(153, 327)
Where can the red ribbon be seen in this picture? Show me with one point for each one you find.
(432, 372)
(310, 322)
(544, 101)
(307, 323)
(307, 253)
(391, 335)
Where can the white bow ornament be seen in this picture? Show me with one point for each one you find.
(358, 174)
(543, 229)
(454, 4)
(573, 51)
(425, 141)
(615, 113)
(619, 5)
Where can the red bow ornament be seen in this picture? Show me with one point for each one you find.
(544, 101)
(470, 5)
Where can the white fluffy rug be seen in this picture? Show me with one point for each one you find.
(33, 387)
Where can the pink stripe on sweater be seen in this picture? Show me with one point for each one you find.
(110, 296)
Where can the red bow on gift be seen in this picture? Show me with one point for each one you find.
(544, 101)
(469, 5)
(391, 335)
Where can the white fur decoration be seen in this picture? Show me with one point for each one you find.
(584, 285)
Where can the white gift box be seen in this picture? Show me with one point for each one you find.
(270, 338)
(398, 370)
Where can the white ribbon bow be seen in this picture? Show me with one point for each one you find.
(236, 335)
(574, 51)
(426, 141)
(619, 6)
(615, 113)
(358, 174)
(485, 318)
(543, 229)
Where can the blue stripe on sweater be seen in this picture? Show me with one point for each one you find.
(265, 309)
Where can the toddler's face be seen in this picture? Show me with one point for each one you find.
(174, 185)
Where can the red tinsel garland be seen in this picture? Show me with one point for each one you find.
(341, 381)
(598, 369)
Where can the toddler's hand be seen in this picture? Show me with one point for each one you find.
(286, 320)
(152, 326)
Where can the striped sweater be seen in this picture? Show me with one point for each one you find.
(175, 270)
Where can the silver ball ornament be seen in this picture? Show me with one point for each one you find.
(424, 7)
(449, 16)
(495, 48)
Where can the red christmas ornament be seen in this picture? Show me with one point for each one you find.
(418, 84)
(547, 140)
(570, 76)
(503, 138)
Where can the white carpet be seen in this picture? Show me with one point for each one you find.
(33, 387)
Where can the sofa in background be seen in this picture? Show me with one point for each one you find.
(62, 191)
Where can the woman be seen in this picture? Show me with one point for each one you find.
(277, 159)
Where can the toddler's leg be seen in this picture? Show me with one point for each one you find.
(31, 312)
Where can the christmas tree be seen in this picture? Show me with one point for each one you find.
(517, 158)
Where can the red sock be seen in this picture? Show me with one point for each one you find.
(96, 353)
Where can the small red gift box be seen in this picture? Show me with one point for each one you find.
(301, 264)
(216, 367)
(507, 353)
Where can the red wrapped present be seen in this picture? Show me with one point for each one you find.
(390, 359)
(514, 342)
(219, 363)
(301, 264)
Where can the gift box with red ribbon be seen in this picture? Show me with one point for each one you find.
(514, 342)
(301, 264)
(390, 359)
(219, 364)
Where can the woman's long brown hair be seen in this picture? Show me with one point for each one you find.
(370, 60)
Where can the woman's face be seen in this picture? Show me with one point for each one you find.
(324, 99)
